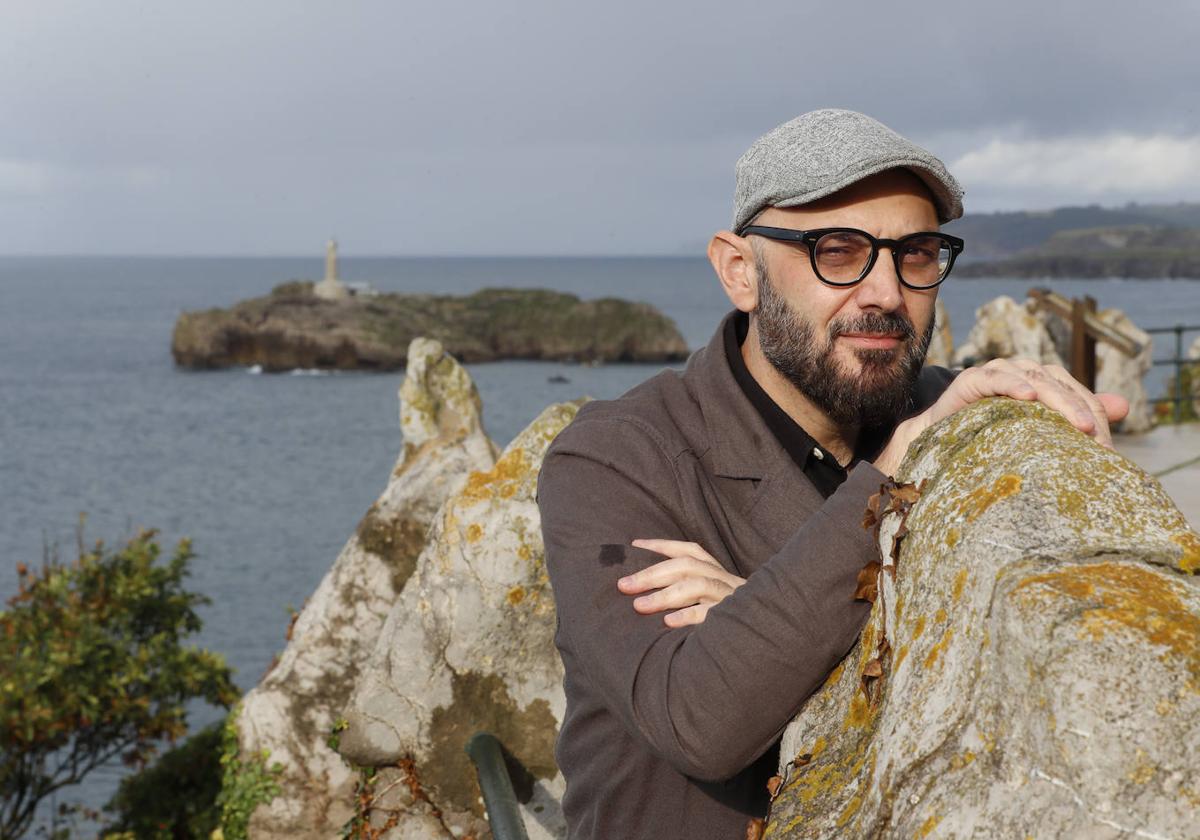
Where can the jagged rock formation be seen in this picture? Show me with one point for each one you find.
(1005, 329)
(941, 344)
(292, 711)
(1041, 675)
(469, 647)
(294, 328)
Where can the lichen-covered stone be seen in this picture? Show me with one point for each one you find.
(469, 647)
(292, 711)
(1043, 677)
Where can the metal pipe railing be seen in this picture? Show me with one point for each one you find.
(499, 797)
(1179, 362)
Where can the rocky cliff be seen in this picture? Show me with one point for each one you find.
(1031, 666)
(293, 328)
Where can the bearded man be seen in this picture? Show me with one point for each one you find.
(749, 473)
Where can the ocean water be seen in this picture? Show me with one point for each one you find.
(269, 474)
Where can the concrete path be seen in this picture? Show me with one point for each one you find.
(1172, 455)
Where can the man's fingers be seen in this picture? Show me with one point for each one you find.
(694, 614)
(667, 572)
(683, 593)
(676, 548)
(1115, 406)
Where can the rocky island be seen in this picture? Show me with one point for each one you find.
(298, 327)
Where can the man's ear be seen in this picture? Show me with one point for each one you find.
(733, 260)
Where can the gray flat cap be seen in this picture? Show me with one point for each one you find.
(821, 152)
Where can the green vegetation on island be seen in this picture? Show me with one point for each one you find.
(294, 328)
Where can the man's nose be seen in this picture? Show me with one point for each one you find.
(880, 289)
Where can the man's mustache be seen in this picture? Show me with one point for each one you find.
(874, 323)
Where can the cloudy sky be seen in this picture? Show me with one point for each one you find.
(538, 127)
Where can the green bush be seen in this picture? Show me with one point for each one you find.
(176, 797)
(92, 667)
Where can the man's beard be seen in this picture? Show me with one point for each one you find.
(879, 394)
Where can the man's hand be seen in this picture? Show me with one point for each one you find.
(689, 582)
(1020, 379)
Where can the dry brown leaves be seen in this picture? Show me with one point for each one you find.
(892, 498)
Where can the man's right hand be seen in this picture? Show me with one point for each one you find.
(1020, 379)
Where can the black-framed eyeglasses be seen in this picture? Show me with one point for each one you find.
(844, 256)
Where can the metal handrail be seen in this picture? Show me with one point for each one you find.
(499, 797)
(1179, 362)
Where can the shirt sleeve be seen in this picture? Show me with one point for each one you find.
(709, 698)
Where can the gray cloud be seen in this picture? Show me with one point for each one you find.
(529, 127)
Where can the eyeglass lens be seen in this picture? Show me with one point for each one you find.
(841, 257)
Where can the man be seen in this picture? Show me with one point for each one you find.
(749, 473)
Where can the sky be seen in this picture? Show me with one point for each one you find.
(263, 127)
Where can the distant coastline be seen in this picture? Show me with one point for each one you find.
(1134, 242)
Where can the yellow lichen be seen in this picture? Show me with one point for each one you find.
(850, 810)
(960, 581)
(934, 652)
(918, 627)
(1190, 543)
(1123, 596)
(982, 498)
(859, 713)
(900, 654)
(952, 537)
(516, 595)
(1164, 707)
(835, 675)
(1143, 771)
(501, 480)
(958, 762)
(939, 616)
(928, 826)
(474, 532)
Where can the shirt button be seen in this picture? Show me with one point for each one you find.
(820, 455)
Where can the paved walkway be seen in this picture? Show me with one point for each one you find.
(1172, 454)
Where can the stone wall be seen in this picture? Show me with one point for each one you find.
(1032, 663)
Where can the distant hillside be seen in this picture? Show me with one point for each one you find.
(1137, 240)
(992, 236)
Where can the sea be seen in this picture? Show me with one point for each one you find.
(268, 474)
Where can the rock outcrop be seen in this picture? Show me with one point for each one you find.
(292, 711)
(469, 647)
(1041, 669)
(1005, 329)
(1117, 373)
(941, 343)
(294, 328)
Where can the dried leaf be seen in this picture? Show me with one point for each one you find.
(754, 828)
(773, 785)
(873, 669)
(871, 515)
(907, 493)
(802, 759)
(868, 582)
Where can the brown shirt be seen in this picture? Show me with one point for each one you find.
(663, 726)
